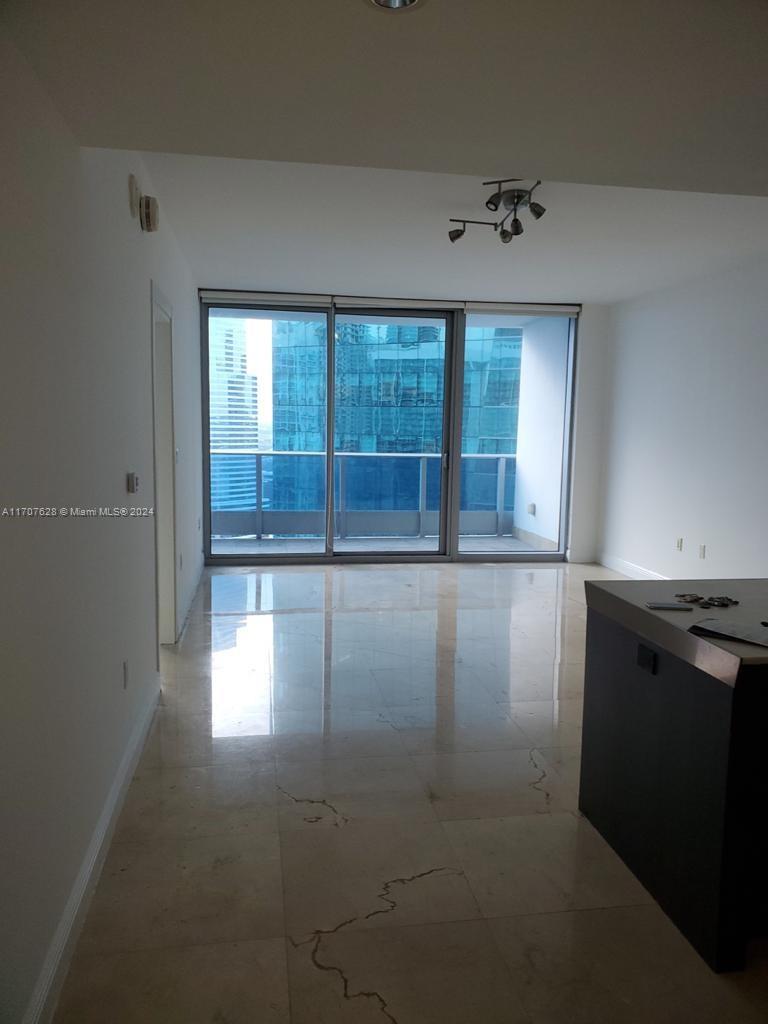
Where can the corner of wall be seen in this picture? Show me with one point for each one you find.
(591, 398)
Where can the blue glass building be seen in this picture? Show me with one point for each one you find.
(389, 399)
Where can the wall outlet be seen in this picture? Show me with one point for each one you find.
(132, 483)
(702, 550)
(679, 543)
(125, 675)
(532, 509)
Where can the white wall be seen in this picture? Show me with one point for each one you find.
(540, 427)
(359, 231)
(688, 429)
(77, 595)
(590, 400)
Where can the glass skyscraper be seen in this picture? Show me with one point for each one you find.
(389, 398)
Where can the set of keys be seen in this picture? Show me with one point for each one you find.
(706, 602)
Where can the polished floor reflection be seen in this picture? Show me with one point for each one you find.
(358, 803)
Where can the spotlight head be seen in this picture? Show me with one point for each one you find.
(456, 233)
(516, 227)
(537, 210)
(506, 236)
(493, 202)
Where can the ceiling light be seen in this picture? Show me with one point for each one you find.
(513, 200)
(514, 197)
(395, 5)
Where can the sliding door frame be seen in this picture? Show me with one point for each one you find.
(449, 316)
(455, 316)
(278, 307)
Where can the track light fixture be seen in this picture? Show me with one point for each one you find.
(512, 200)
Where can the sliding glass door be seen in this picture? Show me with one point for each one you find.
(343, 431)
(389, 413)
(267, 425)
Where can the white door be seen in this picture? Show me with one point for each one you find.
(165, 464)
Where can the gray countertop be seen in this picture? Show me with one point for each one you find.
(624, 601)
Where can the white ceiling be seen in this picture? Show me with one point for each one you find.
(652, 93)
(356, 231)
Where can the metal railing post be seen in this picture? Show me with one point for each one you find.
(342, 497)
(422, 493)
(259, 496)
(501, 470)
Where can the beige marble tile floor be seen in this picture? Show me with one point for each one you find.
(358, 803)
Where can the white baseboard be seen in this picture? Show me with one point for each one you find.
(635, 572)
(41, 1005)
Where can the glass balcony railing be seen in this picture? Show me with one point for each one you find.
(275, 494)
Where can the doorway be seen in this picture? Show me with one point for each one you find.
(164, 468)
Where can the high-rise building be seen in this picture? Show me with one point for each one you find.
(234, 415)
(388, 399)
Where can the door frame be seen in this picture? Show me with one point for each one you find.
(159, 302)
(455, 314)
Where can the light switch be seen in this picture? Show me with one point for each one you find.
(132, 483)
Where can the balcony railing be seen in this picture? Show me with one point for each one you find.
(376, 494)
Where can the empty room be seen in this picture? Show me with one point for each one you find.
(383, 559)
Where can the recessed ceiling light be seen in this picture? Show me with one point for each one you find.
(395, 5)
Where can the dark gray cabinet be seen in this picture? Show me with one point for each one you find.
(673, 773)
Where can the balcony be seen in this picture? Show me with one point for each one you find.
(265, 502)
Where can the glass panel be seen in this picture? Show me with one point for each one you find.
(267, 416)
(513, 432)
(389, 400)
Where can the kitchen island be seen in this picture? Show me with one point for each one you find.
(674, 769)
